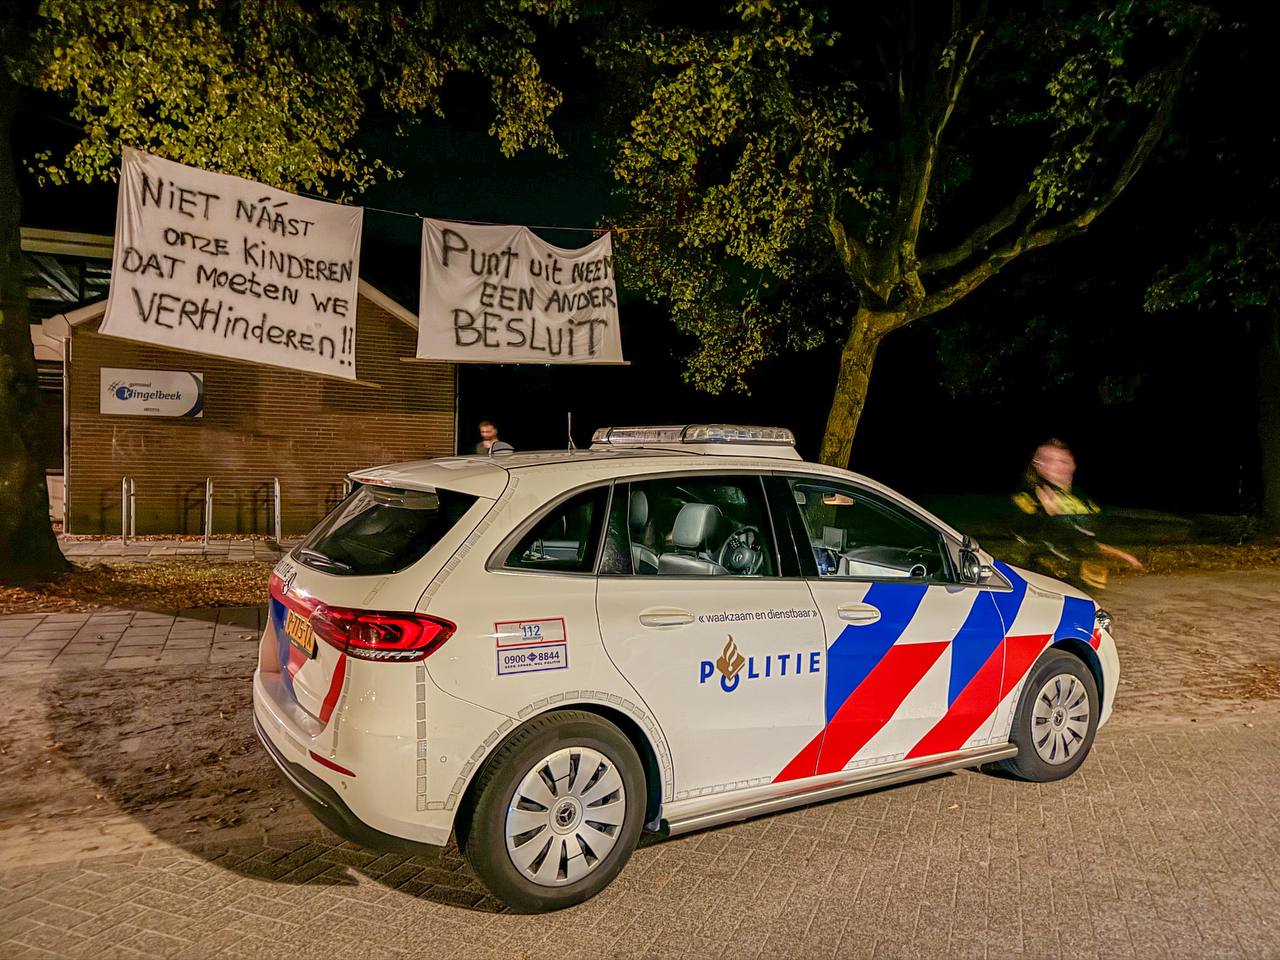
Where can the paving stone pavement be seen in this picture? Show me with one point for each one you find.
(128, 638)
(1165, 844)
(113, 549)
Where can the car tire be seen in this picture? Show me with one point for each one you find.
(557, 812)
(1056, 719)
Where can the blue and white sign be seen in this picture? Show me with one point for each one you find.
(151, 393)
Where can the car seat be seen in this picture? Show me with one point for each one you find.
(643, 560)
(692, 555)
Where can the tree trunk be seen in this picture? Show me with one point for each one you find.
(856, 359)
(1268, 389)
(28, 549)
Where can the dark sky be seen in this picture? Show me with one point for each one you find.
(1159, 407)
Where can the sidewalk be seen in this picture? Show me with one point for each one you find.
(128, 638)
(114, 549)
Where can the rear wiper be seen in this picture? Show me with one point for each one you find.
(308, 554)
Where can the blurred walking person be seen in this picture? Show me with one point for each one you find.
(1062, 521)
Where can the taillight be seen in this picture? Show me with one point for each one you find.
(367, 635)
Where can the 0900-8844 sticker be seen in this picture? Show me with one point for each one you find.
(531, 646)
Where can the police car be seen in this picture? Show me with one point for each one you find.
(545, 654)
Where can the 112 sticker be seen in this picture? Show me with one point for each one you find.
(531, 646)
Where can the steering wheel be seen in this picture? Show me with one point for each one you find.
(741, 552)
(918, 556)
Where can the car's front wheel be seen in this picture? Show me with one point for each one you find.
(1056, 719)
(558, 812)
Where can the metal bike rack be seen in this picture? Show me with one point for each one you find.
(275, 512)
(208, 509)
(128, 509)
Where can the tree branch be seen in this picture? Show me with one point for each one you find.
(976, 241)
(853, 254)
(917, 170)
(1034, 237)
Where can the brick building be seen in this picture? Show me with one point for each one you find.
(258, 424)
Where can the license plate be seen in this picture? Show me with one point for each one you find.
(300, 634)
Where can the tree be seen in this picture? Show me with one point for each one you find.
(801, 174)
(1237, 272)
(273, 90)
(1231, 274)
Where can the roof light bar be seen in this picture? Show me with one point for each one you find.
(693, 433)
(637, 436)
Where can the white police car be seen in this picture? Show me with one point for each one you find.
(547, 653)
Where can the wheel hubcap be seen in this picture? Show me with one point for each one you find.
(1060, 719)
(565, 816)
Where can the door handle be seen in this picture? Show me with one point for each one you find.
(863, 613)
(666, 618)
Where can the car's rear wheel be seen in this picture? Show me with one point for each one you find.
(1056, 719)
(558, 810)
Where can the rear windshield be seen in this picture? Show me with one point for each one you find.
(380, 530)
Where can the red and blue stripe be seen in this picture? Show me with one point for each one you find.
(870, 674)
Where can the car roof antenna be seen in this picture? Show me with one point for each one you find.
(572, 448)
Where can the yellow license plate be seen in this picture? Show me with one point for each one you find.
(300, 634)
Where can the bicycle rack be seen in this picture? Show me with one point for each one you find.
(275, 512)
(128, 509)
(208, 509)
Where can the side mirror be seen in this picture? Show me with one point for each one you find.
(972, 569)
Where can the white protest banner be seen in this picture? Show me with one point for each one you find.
(500, 294)
(218, 264)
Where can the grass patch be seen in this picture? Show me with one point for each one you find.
(1160, 558)
(155, 585)
(1208, 556)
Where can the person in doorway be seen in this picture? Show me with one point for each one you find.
(1062, 521)
(488, 436)
(490, 443)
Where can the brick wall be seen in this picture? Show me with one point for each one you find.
(259, 422)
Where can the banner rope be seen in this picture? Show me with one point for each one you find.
(598, 231)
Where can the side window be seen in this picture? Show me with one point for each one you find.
(698, 526)
(856, 534)
(565, 540)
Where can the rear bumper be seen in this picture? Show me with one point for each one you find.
(327, 807)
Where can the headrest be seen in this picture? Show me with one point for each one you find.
(695, 524)
(639, 513)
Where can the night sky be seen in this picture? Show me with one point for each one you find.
(1160, 408)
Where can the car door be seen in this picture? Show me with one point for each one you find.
(905, 640)
(530, 626)
(727, 654)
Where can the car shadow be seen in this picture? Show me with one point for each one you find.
(175, 751)
(659, 837)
